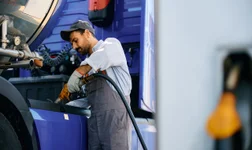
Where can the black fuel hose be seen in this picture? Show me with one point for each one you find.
(125, 104)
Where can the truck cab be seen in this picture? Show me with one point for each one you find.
(35, 63)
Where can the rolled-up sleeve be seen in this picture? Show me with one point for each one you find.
(110, 54)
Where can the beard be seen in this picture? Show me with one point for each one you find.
(85, 49)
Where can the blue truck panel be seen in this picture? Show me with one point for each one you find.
(125, 27)
(57, 130)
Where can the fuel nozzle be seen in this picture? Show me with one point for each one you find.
(64, 95)
(225, 120)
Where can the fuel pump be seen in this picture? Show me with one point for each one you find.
(229, 124)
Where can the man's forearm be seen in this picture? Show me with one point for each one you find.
(84, 69)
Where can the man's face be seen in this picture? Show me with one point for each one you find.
(80, 42)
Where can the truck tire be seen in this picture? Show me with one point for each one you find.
(8, 137)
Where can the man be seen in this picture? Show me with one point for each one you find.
(108, 126)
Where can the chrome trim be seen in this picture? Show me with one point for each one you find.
(44, 22)
(24, 54)
(11, 53)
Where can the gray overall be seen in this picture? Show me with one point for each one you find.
(108, 126)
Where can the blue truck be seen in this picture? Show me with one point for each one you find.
(29, 118)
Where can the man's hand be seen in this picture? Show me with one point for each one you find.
(74, 83)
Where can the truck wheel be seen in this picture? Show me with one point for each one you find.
(8, 137)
